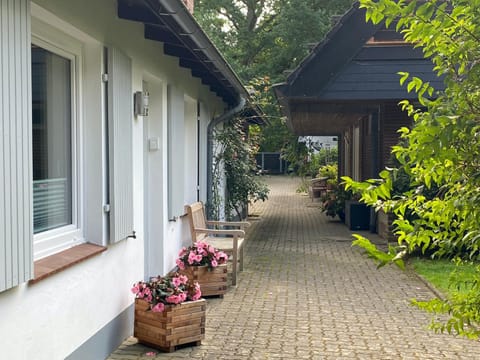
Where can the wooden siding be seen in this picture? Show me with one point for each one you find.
(393, 118)
(389, 52)
(377, 80)
(16, 258)
(120, 118)
(366, 165)
(330, 56)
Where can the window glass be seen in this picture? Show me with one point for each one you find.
(51, 140)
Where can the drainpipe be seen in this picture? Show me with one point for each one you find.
(211, 125)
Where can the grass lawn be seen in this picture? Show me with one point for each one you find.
(437, 272)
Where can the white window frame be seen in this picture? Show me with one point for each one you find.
(54, 40)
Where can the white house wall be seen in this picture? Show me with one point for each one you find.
(53, 318)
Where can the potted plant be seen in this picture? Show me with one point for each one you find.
(205, 264)
(330, 172)
(333, 203)
(169, 312)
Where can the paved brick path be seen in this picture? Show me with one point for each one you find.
(307, 294)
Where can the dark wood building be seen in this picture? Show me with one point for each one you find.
(349, 87)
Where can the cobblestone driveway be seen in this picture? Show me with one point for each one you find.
(306, 293)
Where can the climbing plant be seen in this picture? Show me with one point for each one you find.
(441, 151)
(234, 157)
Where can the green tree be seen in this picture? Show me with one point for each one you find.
(262, 40)
(441, 151)
(266, 37)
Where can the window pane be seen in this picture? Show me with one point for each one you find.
(52, 140)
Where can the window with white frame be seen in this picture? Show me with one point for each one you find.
(56, 223)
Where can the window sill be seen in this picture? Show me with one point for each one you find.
(53, 264)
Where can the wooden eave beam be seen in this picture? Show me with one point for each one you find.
(131, 11)
(162, 34)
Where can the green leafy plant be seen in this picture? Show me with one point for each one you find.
(199, 254)
(333, 202)
(296, 153)
(441, 152)
(329, 171)
(161, 291)
(235, 158)
(461, 284)
(441, 272)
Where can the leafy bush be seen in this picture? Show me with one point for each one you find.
(333, 202)
(441, 152)
(235, 157)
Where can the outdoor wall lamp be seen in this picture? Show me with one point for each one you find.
(140, 103)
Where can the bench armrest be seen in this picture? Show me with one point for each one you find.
(240, 224)
(236, 233)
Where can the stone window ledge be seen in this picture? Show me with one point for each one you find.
(53, 264)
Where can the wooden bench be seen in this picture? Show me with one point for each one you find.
(318, 187)
(228, 236)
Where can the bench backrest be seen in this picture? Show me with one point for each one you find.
(196, 219)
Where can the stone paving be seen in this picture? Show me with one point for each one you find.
(306, 293)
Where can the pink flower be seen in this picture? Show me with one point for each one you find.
(198, 258)
(180, 264)
(191, 257)
(201, 244)
(182, 252)
(214, 263)
(172, 299)
(159, 307)
(198, 293)
(136, 289)
(147, 294)
(176, 282)
(183, 279)
(179, 280)
(211, 249)
(221, 257)
(176, 299)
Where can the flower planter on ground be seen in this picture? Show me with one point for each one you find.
(206, 265)
(213, 282)
(178, 324)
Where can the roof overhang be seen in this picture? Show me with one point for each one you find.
(310, 117)
(170, 22)
(314, 99)
(339, 46)
(300, 96)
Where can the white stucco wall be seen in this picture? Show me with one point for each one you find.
(51, 319)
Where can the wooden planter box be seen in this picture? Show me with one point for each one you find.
(212, 282)
(176, 325)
